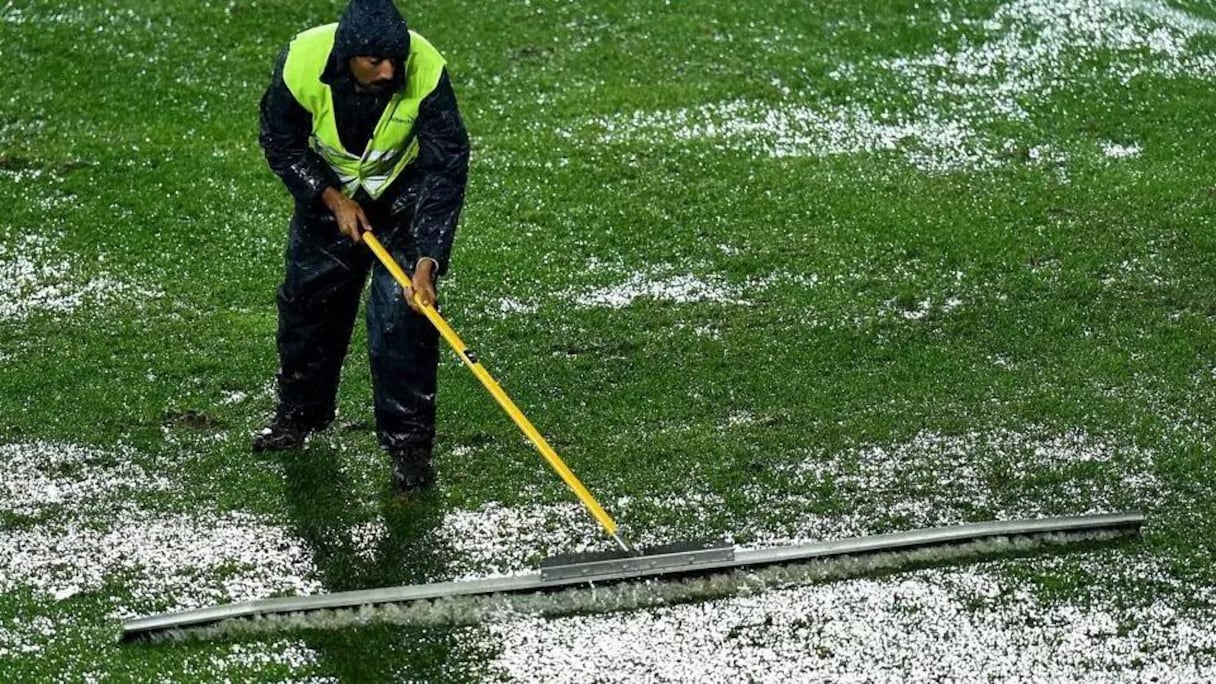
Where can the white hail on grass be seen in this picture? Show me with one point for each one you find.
(1029, 51)
(510, 305)
(38, 277)
(26, 636)
(922, 308)
(679, 289)
(665, 283)
(494, 540)
(924, 626)
(933, 480)
(84, 530)
(80, 532)
(166, 561)
(43, 475)
(253, 657)
(930, 480)
(185, 561)
(1113, 150)
(98, 19)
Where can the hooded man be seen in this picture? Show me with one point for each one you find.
(361, 124)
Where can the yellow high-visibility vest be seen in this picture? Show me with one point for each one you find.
(393, 145)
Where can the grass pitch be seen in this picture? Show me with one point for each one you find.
(780, 271)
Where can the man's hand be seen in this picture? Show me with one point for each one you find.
(423, 283)
(351, 219)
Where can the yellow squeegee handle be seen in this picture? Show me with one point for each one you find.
(470, 360)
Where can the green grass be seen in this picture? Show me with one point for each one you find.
(1085, 288)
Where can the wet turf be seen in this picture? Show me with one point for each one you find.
(778, 271)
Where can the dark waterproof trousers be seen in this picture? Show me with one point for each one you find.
(318, 303)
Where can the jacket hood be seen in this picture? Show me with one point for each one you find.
(368, 28)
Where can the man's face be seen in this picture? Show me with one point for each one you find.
(373, 74)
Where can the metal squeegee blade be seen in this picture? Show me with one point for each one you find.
(667, 559)
(693, 562)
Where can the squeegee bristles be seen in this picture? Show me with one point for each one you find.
(632, 595)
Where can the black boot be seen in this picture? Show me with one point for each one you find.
(412, 469)
(284, 432)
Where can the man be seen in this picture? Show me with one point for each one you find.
(361, 124)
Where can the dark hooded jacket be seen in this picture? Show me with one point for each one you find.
(427, 198)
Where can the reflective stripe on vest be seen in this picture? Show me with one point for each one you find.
(393, 145)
